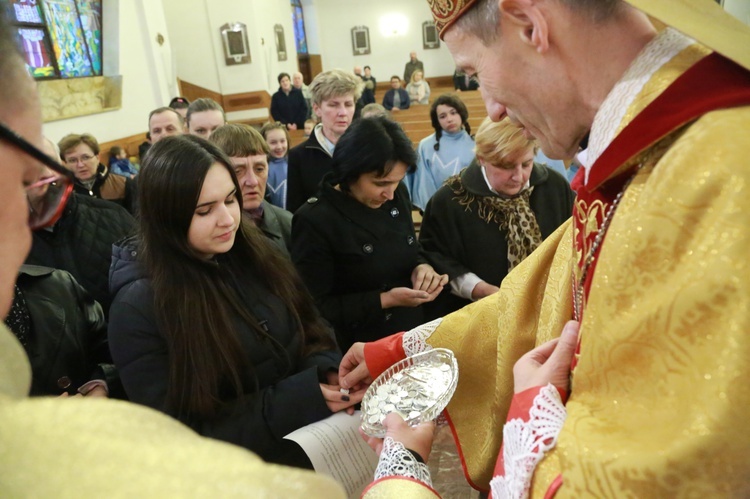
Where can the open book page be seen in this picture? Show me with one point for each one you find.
(336, 449)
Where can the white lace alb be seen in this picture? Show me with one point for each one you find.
(415, 340)
(525, 443)
(395, 460)
(656, 54)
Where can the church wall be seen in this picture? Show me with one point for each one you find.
(199, 54)
(336, 18)
(739, 8)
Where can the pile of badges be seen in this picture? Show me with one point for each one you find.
(417, 388)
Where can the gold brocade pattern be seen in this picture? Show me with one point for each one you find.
(446, 12)
(82, 447)
(660, 399)
(491, 334)
(665, 350)
(589, 217)
(664, 340)
(395, 488)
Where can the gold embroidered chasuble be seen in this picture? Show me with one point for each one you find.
(659, 391)
(83, 447)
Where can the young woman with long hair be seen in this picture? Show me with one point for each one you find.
(444, 153)
(209, 324)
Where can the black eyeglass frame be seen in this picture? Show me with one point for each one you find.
(22, 144)
(69, 179)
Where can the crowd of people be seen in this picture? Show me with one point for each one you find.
(246, 288)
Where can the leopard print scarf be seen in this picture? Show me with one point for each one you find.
(513, 216)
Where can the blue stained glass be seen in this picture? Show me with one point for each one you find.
(90, 12)
(300, 37)
(67, 38)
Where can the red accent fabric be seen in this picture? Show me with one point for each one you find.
(692, 95)
(382, 354)
(554, 487)
(461, 454)
(712, 83)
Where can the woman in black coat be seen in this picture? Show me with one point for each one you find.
(354, 243)
(209, 323)
(484, 221)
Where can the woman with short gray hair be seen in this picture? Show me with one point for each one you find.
(334, 97)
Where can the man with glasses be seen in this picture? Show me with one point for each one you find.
(96, 448)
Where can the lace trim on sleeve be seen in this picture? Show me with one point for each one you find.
(414, 341)
(395, 460)
(526, 442)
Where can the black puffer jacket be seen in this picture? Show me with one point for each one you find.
(277, 399)
(68, 336)
(81, 243)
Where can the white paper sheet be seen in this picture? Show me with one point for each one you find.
(336, 449)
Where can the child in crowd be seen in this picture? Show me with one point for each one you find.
(119, 164)
(277, 137)
(309, 125)
(444, 153)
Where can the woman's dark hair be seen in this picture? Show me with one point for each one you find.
(193, 297)
(281, 76)
(372, 144)
(457, 104)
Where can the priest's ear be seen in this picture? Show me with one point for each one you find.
(527, 20)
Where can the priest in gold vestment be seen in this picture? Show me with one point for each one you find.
(653, 262)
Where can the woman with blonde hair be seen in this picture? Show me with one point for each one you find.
(418, 88)
(334, 97)
(487, 219)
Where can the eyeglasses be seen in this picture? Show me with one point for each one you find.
(74, 161)
(47, 196)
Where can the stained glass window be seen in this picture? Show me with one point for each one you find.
(59, 38)
(300, 38)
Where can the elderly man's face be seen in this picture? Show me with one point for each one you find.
(531, 87)
(413, 56)
(297, 80)
(19, 170)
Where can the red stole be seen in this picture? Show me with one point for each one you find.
(712, 83)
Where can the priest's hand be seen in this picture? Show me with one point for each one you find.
(548, 363)
(415, 438)
(353, 370)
